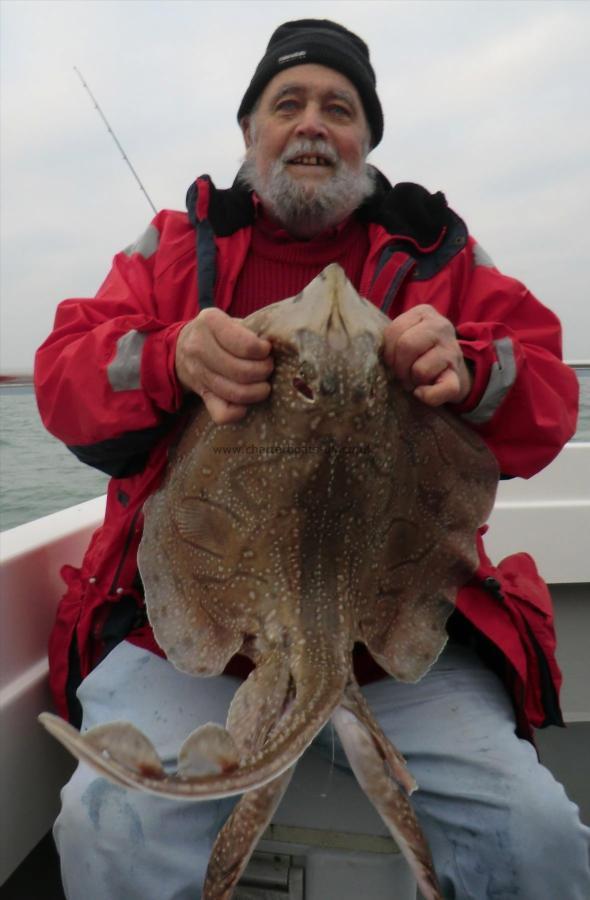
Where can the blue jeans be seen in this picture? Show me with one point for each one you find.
(498, 824)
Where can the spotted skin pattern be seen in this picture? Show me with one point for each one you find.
(339, 510)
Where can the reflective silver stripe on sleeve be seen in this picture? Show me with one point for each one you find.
(124, 371)
(146, 244)
(502, 377)
(481, 258)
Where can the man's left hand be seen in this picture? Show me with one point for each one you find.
(422, 350)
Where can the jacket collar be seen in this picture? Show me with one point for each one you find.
(406, 211)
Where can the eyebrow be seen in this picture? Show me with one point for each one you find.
(299, 89)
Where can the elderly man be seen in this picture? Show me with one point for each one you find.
(111, 381)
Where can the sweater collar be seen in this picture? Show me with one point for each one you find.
(274, 231)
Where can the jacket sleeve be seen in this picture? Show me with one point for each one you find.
(105, 377)
(524, 399)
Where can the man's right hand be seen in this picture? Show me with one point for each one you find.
(225, 363)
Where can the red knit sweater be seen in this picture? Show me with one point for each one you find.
(279, 266)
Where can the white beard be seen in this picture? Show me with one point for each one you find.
(306, 210)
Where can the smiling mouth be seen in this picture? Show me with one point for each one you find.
(310, 161)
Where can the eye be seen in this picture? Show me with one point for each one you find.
(339, 111)
(287, 105)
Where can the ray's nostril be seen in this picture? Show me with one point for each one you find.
(328, 384)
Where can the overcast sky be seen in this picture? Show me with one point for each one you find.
(487, 101)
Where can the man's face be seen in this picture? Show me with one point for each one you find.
(311, 102)
(306, 147)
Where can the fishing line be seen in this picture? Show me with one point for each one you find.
(114, 137)
(329, 776)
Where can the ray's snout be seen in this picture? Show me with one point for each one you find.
(342, 308)
(337, 342)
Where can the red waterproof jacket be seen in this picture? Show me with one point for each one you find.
(106, 386)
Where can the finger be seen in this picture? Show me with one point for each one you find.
(218, 361)
(221, 412)
(413, 344)
(227, 347)
(237, 340)
(446, 389)
(233, 392)
(397, 328)
(430, 365)
(199, 353)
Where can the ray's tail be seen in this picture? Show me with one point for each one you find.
(209, 765)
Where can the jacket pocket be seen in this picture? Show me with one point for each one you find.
(521, 578)
(529, 601)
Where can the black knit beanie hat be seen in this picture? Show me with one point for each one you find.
(325, 43)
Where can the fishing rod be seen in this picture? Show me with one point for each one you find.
(114, 137)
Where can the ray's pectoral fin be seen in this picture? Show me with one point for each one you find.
(389, 799)
(237, 839)
(408, 631)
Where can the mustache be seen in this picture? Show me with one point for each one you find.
(308, 147)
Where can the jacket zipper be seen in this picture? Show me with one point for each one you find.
(127, 545)
(396, 283)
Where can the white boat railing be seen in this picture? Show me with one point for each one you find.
(548, 516)
(32, 766)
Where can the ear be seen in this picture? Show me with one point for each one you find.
(246, 131)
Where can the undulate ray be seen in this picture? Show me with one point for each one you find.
(339, 510)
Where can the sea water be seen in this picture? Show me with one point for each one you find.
(39, 475)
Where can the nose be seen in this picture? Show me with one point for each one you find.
(311, 122)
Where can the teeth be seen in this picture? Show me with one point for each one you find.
(310, 161)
